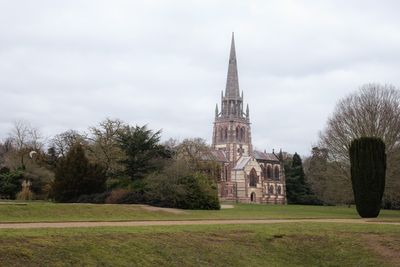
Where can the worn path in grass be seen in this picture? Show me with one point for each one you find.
(185, 222)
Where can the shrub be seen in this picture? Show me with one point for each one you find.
(368, 169)
(133, 197)
(116, 195)
(99, 198)
(179, 187)
(10, 183)
(25, 194)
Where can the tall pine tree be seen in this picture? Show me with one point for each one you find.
(298, 191)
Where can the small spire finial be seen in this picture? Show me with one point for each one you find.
(216, 110)
(247, 111)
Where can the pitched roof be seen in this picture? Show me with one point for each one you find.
(241, 163)
(217, 155)
(265, 156)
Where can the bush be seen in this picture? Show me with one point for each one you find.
(116, 195)
(25, 194)
(133, 197)
(10, 183)
(368, 169)
(99, 198)
(178, 187)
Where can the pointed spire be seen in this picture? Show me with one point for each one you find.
(216, 110)
(247, 111)
(232, 81)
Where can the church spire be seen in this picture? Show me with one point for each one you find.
(232, 81)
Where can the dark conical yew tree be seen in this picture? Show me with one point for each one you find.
(75, 176)
(368, 169)
(298, 191)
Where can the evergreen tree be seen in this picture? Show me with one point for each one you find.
(144, 153)
(368, 171)
(10, 182)
(75, 176)
(298, 191)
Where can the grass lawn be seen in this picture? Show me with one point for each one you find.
(46, 211)
(300, 244)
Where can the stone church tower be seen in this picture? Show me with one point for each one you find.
(247, 175)
(231, 132)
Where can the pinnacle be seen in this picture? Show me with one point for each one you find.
(232, 81)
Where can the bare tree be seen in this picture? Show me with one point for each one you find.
(372, 111)
(104, 148)
(64, 141)
(24, 138)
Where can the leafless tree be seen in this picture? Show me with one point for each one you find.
(24, 138)
(372, 111)
(104, 148)
(64, 141)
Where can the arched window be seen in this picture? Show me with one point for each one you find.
(226, 134)
(263, 172)
(269, 172)
(242, 134)
(271, 189)
(279, 190)
(221, 134)
(276, 173)
(253, 177)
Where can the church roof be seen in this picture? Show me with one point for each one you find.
(216, 155)
(232, 80)
(265, 156)
(242, 162)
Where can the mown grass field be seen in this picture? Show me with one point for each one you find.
(280, 244)
(51, 212)
(290, 244)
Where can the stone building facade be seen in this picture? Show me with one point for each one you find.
(247, 175)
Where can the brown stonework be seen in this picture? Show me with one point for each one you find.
(232, 136)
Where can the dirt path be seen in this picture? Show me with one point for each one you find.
(192, 222)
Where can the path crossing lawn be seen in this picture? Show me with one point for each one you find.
(51, 212)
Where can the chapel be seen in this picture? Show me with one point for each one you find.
(247, 175)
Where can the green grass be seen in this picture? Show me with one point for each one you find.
(46, 211)
(300, 244)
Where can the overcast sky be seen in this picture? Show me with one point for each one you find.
(70, 64)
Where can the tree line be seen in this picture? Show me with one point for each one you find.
(112, 163)
(371, 111)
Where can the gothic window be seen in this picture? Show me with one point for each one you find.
(226, 134)
(237, 133)
(271, 189)
(263, 172)
(279, 190)
(253, 177)
(221, 134)
(276, 173)
(269, 172)
(242, 134)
